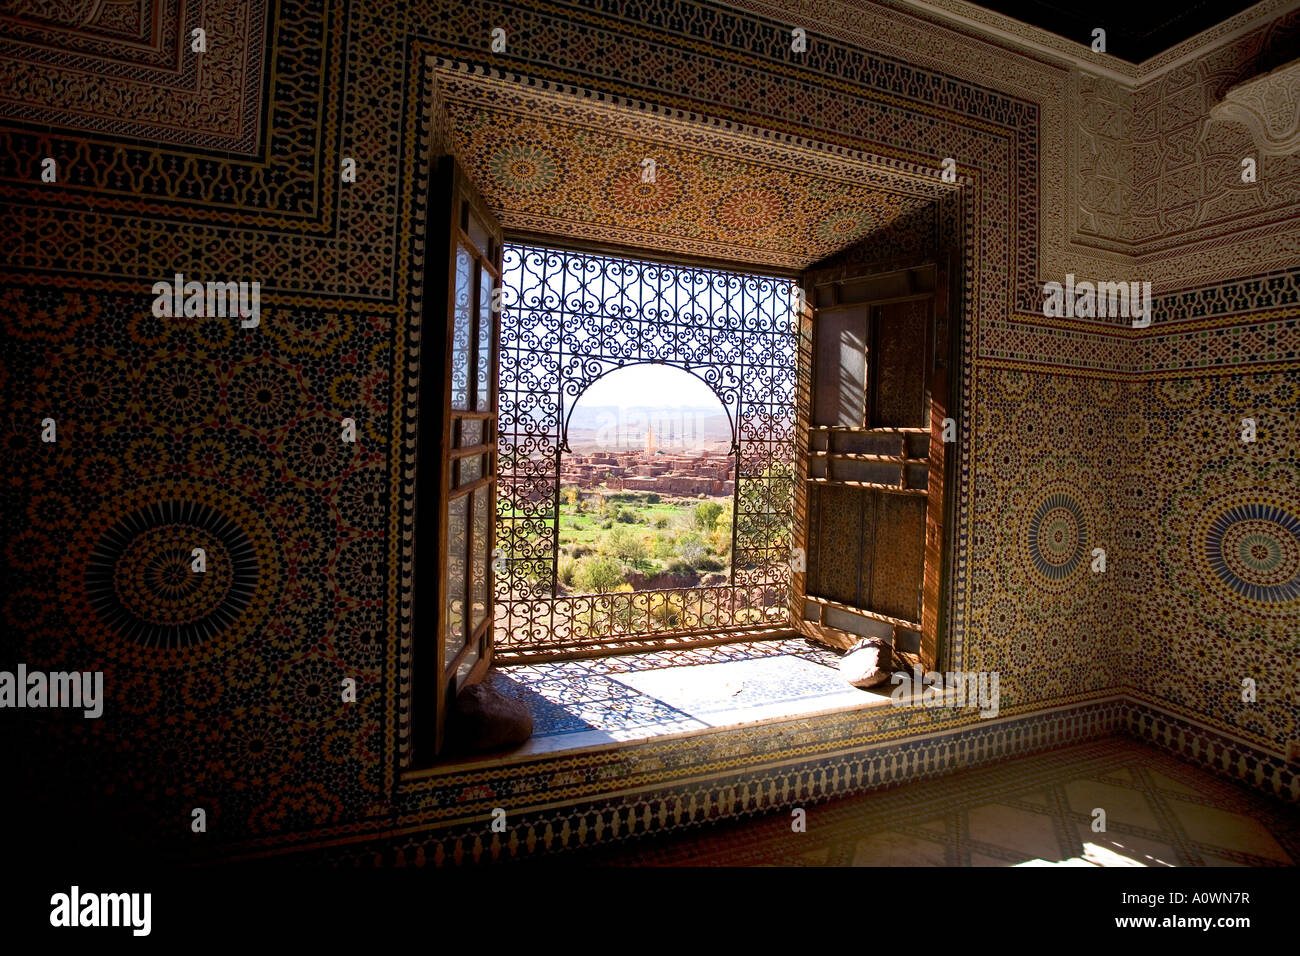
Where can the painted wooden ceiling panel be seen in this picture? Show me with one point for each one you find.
(555, 163)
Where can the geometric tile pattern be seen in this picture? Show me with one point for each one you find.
(130, 68)
(1027, 811)
(229, 168)
(623, 793)
(1050, 462)
(1218, 601)
(625, 818)
(542, 160)
(237, 425)
(1227, 754)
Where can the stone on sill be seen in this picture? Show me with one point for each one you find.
(868, 662)
(483, 719)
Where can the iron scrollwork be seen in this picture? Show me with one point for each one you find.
(569, 318)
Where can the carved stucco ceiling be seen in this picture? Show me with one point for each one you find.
(558, 163)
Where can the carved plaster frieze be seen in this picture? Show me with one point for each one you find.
(1268, 106)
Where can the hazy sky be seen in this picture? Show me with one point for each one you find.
(650, 386)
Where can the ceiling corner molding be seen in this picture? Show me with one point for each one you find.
(971, 19)
(1268, 106)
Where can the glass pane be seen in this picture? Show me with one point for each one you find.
(477, 230)
(471, 432)
(483, 385)
(471, 469)
(457, 550)
(480, 546)
(460, 335)
(466, 666)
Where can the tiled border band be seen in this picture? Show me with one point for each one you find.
(675, 807)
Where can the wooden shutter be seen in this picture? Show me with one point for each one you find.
(456, 451)
(875, 468)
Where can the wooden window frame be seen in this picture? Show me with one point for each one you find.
(809, 611)
(456, 214)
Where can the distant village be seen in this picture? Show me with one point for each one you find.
(651, 469)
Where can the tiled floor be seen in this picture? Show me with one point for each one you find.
(588, 702)
(1031, 811)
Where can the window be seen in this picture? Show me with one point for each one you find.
(829, 461)
(571, 318)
